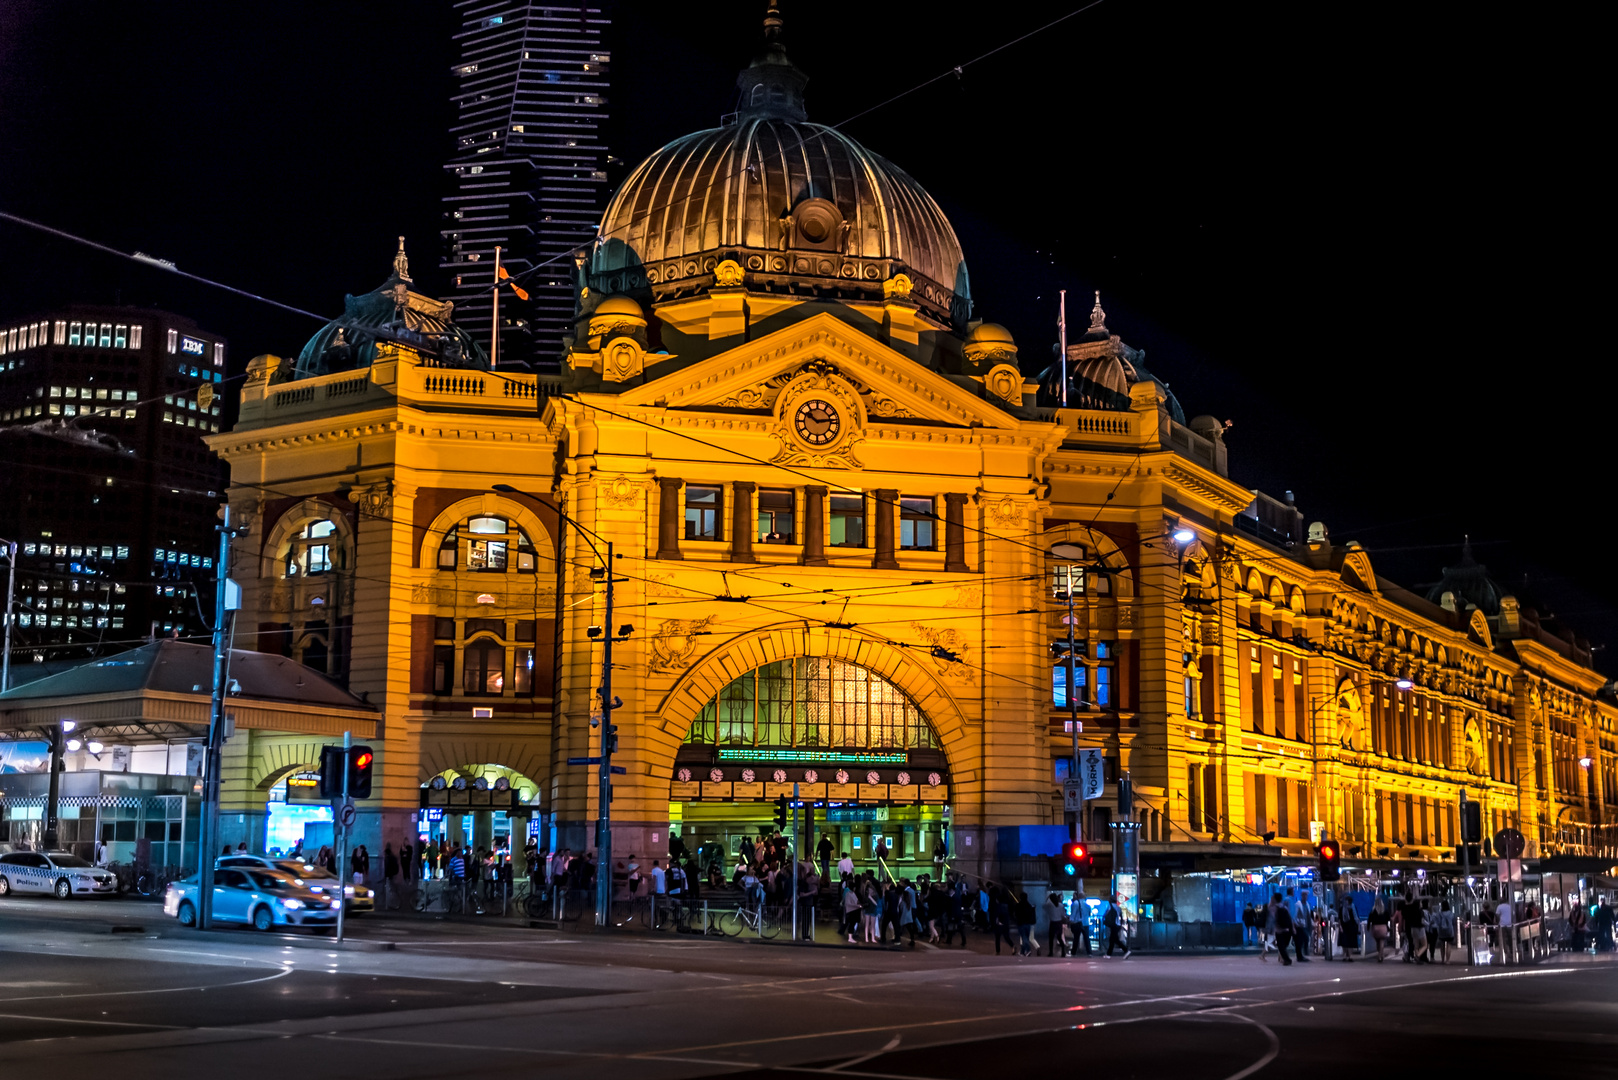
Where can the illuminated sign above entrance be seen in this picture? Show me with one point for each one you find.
(874, 757)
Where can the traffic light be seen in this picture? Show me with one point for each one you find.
(1075, 860)
(1471, 822)
(361, 763)
(781, 813)
(331, 772)
(1331, 857)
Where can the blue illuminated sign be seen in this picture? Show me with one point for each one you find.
(193, 347)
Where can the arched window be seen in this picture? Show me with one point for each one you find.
(310, 552)
(483, 670)
(488, 544)
(812, 702)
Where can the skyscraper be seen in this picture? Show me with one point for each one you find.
(108, 489)
(528, 170)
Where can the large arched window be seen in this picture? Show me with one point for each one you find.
(312, 550)
(488, 544)
(813, 702)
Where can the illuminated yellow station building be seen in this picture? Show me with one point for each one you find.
(832, 496)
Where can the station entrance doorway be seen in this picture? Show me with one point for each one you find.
(845, 747)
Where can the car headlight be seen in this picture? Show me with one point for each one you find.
(292, 903)
(348, 890)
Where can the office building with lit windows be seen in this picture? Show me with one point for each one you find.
(528, 171)
(108, 488)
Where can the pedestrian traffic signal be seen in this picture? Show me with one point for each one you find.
(1075, 860)
(1471, 822)
(1331, 857)
(361, 763)
(781, 813)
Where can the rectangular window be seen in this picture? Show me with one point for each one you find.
(444, 629)
(134, 337)
(522, 671)
(59, 332)
(486, 555)
(483, 668)
(847, 521)
(1193, 797)
(916, 524)
(443, 668)
(106, 335)
(1067, 579)
(702, 506)
(775, 516)
(1059, 684)
(120, 336)
(174, 341)
(219, 354)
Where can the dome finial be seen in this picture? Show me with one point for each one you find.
(401, 265)
(771, 87)
(1098, 318)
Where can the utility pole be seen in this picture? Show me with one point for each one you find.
(796, 885)
(216, 726)
(1072, 690)
(58, 735)
(609, 741)
(11, 592)
(342, 844)
(1464, 916)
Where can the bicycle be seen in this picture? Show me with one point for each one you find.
(758, 919)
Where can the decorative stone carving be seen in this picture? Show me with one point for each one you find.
(622, 492)
(886, 407)
(622, 360)
(820, 381)
(899, 285)
(969, 597)
(948, 641)
(728, 274)
(375, 501)
(1005, 514)
(675, 643)
(1004, 382)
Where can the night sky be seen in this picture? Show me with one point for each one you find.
(1340, 227)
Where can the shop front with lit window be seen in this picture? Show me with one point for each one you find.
(844, 747)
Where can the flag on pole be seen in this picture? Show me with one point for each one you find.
(518, 289)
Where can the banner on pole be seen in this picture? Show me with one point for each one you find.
(1092, 773)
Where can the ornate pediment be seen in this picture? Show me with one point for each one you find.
(753, 376)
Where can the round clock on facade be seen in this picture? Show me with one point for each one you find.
(817, 422)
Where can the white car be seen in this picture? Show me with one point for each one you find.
(57, 873)
(258, 897)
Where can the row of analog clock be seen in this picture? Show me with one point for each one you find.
(810, 776)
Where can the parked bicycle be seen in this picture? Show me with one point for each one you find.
(765, 922)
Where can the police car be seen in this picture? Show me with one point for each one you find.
(258, 897)
(53, 873)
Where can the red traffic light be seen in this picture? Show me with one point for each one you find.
(1328, 850)
(362, 760)
(1075, 852)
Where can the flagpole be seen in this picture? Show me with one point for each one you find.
(494, 332)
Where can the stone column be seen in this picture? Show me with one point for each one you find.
(814, 526)
(955, 534)
(668, 517)
(884, 506)
(741, 521)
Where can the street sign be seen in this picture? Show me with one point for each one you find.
(1092, 773)
(205, 396)
(1072, 796)
(1317, 832)
(617, 770)
(347, 815)
(1509, 844)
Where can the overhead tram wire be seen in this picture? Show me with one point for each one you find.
(166, 267)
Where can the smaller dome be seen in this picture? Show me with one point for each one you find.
(1099, 382)
(621, 305)
(989, 334)
(1470, 583)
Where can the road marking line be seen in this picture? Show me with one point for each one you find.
(1269, 1056)
(851, 1062)
(160, 990)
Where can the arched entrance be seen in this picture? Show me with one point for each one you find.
(485, 806)
(846, 747)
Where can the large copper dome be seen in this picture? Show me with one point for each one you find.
(801, 207)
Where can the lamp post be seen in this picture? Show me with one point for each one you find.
(60, 743)
(609, 731)
(10, 549)
(1072, 553)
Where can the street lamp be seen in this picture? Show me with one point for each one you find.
(609, 730)
(58, 736)
(1404, 684)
